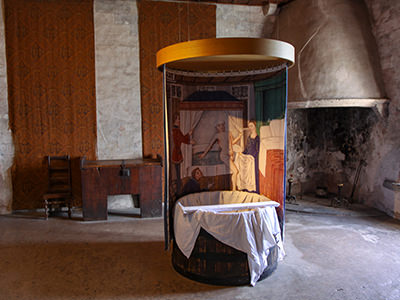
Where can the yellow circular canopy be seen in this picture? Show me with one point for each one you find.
(226, 54)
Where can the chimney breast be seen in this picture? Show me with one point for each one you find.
(336, 54)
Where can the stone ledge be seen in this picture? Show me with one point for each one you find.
(378, 104)
(392, 185)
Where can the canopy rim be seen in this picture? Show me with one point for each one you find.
(226, 55)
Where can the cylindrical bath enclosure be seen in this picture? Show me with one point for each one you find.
(225, 129)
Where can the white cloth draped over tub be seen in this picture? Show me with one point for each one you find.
(252, 231)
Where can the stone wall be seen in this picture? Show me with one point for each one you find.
(384, 156)
(6, 143)
(119, 133)
(119, 124)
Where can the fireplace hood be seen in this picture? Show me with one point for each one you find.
(337, 58)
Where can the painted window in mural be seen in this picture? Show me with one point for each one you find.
(227, 136)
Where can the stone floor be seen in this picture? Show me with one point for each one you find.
(329, 256)
(329, 206)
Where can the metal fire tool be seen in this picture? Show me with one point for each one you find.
(338, 201)
(362, 163)
(291, 199)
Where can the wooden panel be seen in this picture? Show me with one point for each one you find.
(116, 184)
(94, 195)
(150, 193)
(103, 178)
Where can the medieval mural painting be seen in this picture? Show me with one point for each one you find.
(227, 136)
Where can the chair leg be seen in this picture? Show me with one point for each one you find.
(46, 209)
(69, 209)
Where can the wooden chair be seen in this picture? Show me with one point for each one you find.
(59, 193)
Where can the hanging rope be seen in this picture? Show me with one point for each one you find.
(188, 27)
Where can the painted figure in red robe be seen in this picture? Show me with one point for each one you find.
(179, 138)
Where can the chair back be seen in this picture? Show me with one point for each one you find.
(59, 168)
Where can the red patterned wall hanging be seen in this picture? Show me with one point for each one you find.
(51, 86)
(162, 24)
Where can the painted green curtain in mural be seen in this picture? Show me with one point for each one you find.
(270, 99)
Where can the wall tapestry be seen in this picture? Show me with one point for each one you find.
(51, 86)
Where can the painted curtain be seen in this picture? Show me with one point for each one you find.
(51, 86)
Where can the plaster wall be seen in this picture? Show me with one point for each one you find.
(336, 55)
(243, 21)
(119, 133)
(6, 143)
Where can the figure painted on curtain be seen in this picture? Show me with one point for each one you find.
(179, 138)
(193, 184)
(224, 142)
(253, 149)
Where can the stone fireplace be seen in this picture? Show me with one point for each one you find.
(326, 147)
(341, 122)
